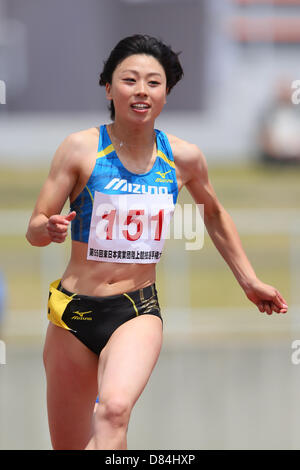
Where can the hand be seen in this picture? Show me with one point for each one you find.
(57, 226)
(266, 298)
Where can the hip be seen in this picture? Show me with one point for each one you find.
(93, 319)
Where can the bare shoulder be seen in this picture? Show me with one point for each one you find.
(84, 138)
(188, 157)
(76, 145)
(184, 151)
(80, 142)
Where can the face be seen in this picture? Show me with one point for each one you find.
(138, 88)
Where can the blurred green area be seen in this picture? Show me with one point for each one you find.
(211, 283)
(19, 187)
(237, 186)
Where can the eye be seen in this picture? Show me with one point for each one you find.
(129, 80)
(153, 82)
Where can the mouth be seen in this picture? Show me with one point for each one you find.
(140, 107)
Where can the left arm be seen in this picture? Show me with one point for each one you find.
(224, 235)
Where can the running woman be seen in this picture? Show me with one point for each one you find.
(105, 326)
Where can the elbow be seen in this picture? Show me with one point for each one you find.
(34, 241)
(29, 238)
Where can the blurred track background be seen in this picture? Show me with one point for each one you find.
(225, 379)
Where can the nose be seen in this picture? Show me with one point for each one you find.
(141, 89)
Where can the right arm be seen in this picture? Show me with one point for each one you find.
(46, 225)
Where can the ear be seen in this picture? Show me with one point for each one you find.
(108, 91)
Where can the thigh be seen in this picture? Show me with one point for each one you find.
(71, 373)
(128, 359)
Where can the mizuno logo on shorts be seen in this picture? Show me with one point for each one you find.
(123, 185)
(80, 316)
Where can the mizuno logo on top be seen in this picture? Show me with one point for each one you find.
(123, 185)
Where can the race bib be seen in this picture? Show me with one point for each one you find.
(129, 228)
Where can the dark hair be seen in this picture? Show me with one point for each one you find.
(142, 44)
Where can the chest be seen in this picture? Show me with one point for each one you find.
(110, 176)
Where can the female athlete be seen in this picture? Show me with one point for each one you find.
(105, 326)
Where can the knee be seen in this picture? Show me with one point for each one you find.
(114, 411)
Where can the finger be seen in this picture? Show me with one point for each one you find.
(282, 308)
(58, 219)
(57, 241)
(268, 308)
(275, 308)
(58, 238)
(53, 233)
(281, 302)
(260, 306)
(70, 216)
(57, 228)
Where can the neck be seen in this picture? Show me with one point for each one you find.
(133, 137)
(136, 145)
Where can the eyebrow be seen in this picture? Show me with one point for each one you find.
(136, 73)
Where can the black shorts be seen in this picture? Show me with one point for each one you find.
(93, 319)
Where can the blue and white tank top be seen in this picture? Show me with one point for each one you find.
(124, 216)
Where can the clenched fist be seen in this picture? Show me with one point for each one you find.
(57, 226)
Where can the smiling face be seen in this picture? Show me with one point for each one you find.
(138, 88)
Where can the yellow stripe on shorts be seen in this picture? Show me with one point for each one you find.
(133, 303)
